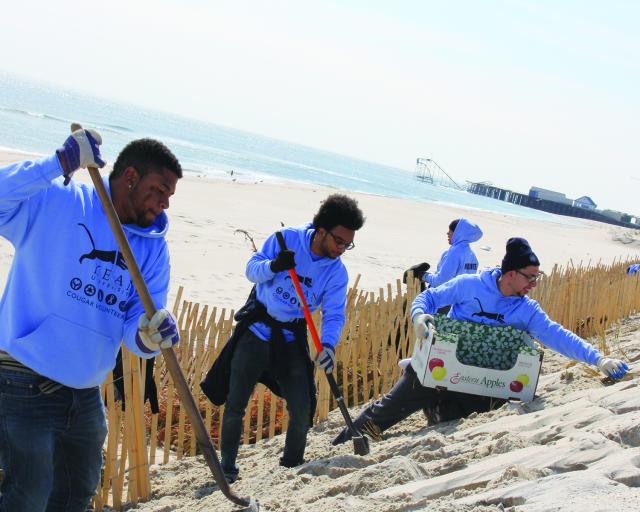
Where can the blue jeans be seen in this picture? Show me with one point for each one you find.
(50, 445)
(250, 360)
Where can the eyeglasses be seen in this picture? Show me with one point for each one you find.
(342, 243)
(532, 278)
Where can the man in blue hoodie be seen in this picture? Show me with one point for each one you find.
(495, 297)
(459, 258)
(269, 343)
(68, 303)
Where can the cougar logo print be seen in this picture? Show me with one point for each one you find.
(98, 254)
(498, 317)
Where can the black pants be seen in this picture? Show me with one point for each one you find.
(408, 396)
(250, 359)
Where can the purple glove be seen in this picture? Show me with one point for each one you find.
(326, 359)
(81, 149)
(159, 332)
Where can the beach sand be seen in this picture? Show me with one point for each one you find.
(575, 449)
(572, 449)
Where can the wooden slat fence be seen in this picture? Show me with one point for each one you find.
(377, 334)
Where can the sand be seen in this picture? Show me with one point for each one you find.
(574, 448)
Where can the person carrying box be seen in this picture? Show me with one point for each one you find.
(495, 297)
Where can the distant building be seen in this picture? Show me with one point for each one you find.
(549, 195)
(555, 202)
(613, 214)
(585, 202)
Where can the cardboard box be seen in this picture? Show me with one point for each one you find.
(437, 363)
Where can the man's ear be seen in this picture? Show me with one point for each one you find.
(131, 176)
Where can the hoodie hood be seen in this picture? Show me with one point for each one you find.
(466, 232)
(306, 233)
(490, 280)
(158, 229)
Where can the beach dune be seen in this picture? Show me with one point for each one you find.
(574, 450)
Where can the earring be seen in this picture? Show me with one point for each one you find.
(129, 186)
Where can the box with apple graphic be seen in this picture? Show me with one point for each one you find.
(469, 357)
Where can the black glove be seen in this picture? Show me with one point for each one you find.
(283, 261)
(418, 271)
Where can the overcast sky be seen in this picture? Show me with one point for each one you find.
(514, 92)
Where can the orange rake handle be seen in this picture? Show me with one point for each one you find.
(360, 443)
(305, 306)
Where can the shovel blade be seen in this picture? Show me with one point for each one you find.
(360, 445)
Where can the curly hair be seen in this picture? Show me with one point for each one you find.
(146, 155)
(454, 224)
(338, 210)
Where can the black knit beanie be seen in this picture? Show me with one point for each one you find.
(519, 255)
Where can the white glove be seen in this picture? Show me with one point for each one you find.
(81, 149)
(326, 359)
(420, 324)
(159, 332)
(614, 368)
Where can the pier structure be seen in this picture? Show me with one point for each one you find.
(509, 196)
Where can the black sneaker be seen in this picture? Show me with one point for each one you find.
(290, 464)
(231, 477)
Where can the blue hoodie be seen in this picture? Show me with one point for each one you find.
(477, 298)
(459, 258)
(69, 299)
(323, 280)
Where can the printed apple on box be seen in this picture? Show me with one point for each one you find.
(436, 364)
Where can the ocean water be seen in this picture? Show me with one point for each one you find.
(35, 117)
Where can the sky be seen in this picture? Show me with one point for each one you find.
(518, 93)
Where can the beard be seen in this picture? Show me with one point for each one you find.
(145, 218)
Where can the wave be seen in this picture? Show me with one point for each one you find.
(114, 128)
(39, 115)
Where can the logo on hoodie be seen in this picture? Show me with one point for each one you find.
(103, 287)
(307, 281)
(290, 296)
(102, 255)
(498, 317)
